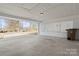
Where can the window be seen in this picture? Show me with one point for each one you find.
(25, 24)
(15, 26)
(28, 26)
(2, 23)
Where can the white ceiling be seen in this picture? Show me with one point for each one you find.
(31, 11)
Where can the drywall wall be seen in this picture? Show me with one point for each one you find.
(76, 22)
(42, 29)
(57, 28)
(76, 25)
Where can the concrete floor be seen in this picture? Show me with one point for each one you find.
(13, 34)
(34, 45)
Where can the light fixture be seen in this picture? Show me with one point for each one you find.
(41, 13)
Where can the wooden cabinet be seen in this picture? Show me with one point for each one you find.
(71, 34)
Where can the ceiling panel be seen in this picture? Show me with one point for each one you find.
(50, 11)
(14, 10)
(25, 5)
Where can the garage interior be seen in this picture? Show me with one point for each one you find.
(39, 29)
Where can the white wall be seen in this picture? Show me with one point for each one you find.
(42, 29)
(76, 22)
(76, 25)
(57, 28)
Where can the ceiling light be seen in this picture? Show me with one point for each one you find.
(41, 13)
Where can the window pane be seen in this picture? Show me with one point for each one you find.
(26, 24)
(2, 23)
